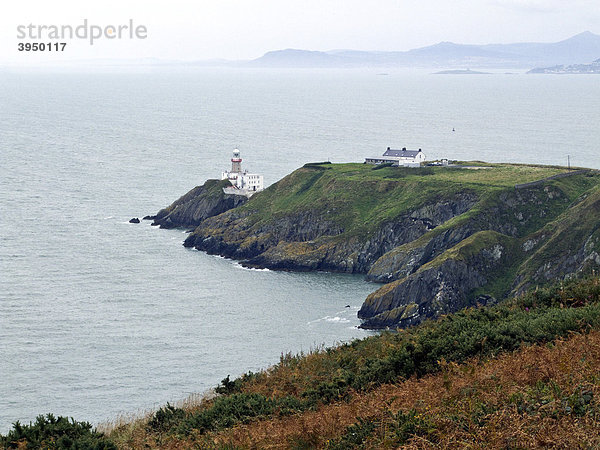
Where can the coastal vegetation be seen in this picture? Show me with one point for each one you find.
(502, 375)
(50, 432)
(472, 372)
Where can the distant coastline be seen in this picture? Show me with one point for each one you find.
(578, 49)
(461, 72)
(593, 68)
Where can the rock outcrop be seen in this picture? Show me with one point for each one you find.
(485, 263)
(511, 212)
(198, 204)
(311, 241)
(564, 247)
(442, 286)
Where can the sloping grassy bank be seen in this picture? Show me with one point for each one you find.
(312, 387)
(308, 383)
(541, 396)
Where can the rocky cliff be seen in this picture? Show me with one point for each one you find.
(313, 240)
(487, 266)
(440, 238)
(198, 204)
(443, 285)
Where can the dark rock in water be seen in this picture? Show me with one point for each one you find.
(148, 217)
(134, 220)
(198, 204)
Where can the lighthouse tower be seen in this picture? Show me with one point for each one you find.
(242, 182)
(236, 162)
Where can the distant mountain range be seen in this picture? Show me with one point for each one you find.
(556, 57)
(579, 49)
(573, 68)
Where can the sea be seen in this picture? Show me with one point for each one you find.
(101, 318)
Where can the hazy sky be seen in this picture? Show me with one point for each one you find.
(204, 29)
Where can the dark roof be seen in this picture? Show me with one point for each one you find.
(402, 153)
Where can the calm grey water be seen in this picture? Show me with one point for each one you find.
(100, 317)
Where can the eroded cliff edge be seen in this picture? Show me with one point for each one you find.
(197, 205)
(439, 238)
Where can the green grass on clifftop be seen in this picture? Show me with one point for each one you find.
(359, 198)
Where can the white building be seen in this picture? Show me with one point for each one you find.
(242, 182)
(407, 158)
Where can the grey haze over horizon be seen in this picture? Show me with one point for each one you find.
(579, 49)
(186, 30)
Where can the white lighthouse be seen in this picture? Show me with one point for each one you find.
(242, 182)
(236, 162)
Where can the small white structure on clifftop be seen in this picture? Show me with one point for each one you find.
(407, 158)
(242, 182)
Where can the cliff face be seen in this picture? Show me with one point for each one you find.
(442, 286)
(487, 265)
(313, 240)
(568, 245)
(198, 204)
(442, 239)
(511, 212)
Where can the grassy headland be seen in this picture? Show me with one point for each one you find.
(521, 372)
(359, 197)
(442, 238)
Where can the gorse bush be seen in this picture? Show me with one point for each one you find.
(165, 418)
(572, 293)
(50, 432)
(399, 428)
(354, 435)
(223, 412)
(230, 387)
(227, 411)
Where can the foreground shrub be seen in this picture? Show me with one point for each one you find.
(223, 412)
(164, 419)
(456, 338)
(354, 435)
(399, 428)
(50, 432)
